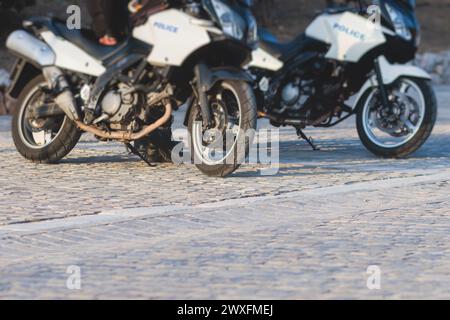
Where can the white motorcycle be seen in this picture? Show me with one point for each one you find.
(345, 53)
(190, 53)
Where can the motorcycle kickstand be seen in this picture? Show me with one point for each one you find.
(136, 152)
(310, 140)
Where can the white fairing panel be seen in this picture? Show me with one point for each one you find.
(174, 36)
(349, 35)
(70, 57)
(390, 73)
(262, 59)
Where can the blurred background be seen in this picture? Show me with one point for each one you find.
(286, 18)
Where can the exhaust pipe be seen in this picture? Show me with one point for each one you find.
(126, 136)
(30, 48)
(65, 100)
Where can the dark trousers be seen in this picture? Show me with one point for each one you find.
(109, 17)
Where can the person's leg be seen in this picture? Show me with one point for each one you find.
(100, 11)
(110, 16)
(120, 18)
(109, 39)
(98, 18)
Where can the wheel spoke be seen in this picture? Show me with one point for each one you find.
(404, 87)
(39, 138)
(403, 98)
(372, 119)
(48, 136)
(408, 125)
(42, 137)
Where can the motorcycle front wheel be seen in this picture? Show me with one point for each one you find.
(401, 129)
(219, 150)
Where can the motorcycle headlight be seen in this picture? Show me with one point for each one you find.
(399, 23)
(232, 24)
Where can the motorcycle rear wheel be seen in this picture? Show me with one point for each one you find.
(49, 144)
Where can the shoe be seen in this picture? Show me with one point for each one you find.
(108, 41)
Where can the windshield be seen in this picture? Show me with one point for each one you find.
(410, 3)
(404, 8)
(234, 18)
(247, 3)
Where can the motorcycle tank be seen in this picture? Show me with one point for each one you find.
(349, 35)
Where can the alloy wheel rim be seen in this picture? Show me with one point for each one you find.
(412, 106)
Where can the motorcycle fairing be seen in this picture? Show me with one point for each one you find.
(174, 36)
(71, 57)
(264, 60)
(349, 35)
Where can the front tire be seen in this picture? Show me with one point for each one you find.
(234, 109)
(54, 141)
(419, 113)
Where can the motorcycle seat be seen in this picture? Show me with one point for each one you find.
(280, 50)
(86, 40)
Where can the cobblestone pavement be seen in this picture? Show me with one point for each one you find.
(310, 231)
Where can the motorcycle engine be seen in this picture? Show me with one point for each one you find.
(294, 95)
(120, 107)
(311, 96)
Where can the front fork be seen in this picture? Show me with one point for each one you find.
(381, 87)
(201, 72)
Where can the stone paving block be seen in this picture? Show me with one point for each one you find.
(286, 236)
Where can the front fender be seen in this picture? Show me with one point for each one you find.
(209, 77)
(215, 75)
(390, 73)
